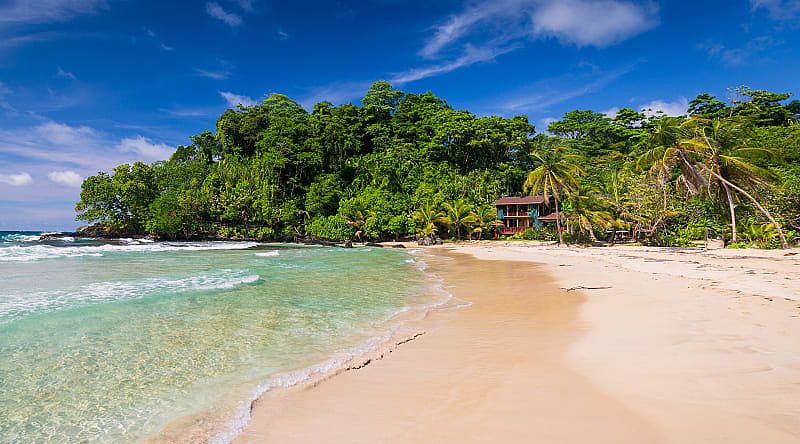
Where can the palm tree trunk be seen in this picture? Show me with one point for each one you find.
(558, 223)
(733, 211)
(766, 212)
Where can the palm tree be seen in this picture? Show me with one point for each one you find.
(706, 152)
(556, 174)
(458, 214)
(485, 218)
(723, 143)
(426, 217)
(585, 211)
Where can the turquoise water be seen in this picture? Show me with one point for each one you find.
(113, 342)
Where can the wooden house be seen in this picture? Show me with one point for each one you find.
(520, 213)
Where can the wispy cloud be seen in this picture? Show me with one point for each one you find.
(777, 9)
(598, 23)
(282, 35)
(67, 178)
(541, 95)
(216, 75)
(24, 12)
(65, 74)
(234, 100)
(166, 47)
(739, 55)
(16, 179)
(246, 5)
(150, 33)
(218, 12)
(470, 56)
(20, 40)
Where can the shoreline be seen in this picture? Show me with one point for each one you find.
(640, 351)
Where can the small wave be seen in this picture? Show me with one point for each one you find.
(37, 252)
(268, 253)
(19, 238)
(17, 305)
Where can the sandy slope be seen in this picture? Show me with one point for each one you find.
(684, 347)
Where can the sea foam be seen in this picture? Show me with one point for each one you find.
(14, 306)
(38, 252)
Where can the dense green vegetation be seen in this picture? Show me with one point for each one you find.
(402, 165)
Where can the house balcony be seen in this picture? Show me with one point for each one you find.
(512, 230)
(517, 214)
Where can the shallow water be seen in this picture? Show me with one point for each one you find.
(111, 342)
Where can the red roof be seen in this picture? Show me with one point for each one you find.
(519, 200)
(550, 217)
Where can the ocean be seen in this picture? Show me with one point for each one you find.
(116, 341)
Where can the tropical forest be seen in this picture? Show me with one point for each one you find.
(408, 166)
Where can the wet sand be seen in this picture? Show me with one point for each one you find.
(494, 371)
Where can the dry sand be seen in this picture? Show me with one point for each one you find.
(685, 346)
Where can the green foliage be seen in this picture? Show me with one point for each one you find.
(403, 164)
(330, 227)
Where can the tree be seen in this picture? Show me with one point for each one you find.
(556, 174)
(586, 212)
(704, 156)
(458, 215)
(485, 220)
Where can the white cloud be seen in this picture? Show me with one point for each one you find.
(283, 35)
(67, 178)
(65, 74)
(611, 112)
(166, 47)
(218, 12)
(235, 99)
(777, 9)
(21, 12)
(150, 33)
(145, 148)
(470, 56)
(61, 134)
(16, 180)
(596, 23)
(676, 107)
(592, 23)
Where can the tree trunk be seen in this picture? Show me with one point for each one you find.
(558, 223)
(733, 211)
(766, 212)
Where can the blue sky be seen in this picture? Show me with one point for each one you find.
(88, 84)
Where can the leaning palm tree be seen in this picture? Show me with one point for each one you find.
(556, 174)
(586, 211)
(704, 160)
(457, 215)
(356, 219)
(723, 143)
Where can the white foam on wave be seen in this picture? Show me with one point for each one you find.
(14, 306)
(268, 253)
(19, 238)
(37, 252)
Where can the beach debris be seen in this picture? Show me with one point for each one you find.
(581, 287)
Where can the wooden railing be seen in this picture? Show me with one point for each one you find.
(512, 230)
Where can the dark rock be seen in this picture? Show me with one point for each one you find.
(373, 244)
(347, 244)
(439, 241)
(398, 246)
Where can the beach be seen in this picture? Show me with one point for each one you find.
(549, 344)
